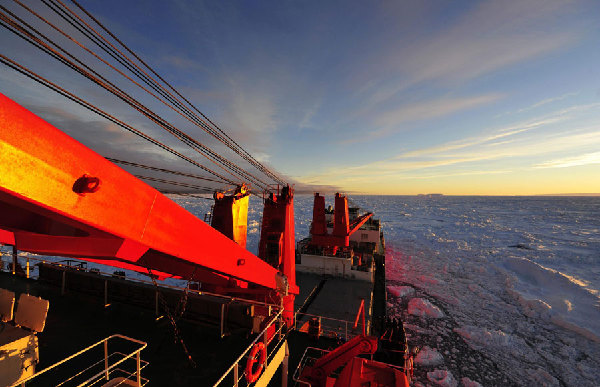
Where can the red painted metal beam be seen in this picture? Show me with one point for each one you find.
(62, 187)
(319, 224)
(356, 223)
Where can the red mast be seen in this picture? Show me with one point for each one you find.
(277, 243)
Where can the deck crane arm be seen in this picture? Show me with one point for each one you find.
(59, 197)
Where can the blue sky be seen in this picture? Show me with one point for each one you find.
(393, 97)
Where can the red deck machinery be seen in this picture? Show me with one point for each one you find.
(58, 197)
(356, 371)
(342, 227)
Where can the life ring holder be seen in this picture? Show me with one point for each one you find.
(260, 349)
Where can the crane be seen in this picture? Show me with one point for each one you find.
(60, 198)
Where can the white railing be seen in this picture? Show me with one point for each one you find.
(234, 369)
(110, 366)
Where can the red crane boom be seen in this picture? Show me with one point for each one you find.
(58, 197)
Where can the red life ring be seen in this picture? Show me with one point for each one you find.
(252, 375)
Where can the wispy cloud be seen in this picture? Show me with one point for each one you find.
(586, 159)
(501, 133)
(538, 104)
(391, 119)
(492, 36)
(546, 101)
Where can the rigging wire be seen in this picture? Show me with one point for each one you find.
(25, 71)
(237, 147)
(132, 164)
(177, 183)
(28, 36)
(115, 54)
(76, 21)
(20, 31)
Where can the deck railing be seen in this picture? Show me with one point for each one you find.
(110, 367)
(332, 327)
(238, 377)
(75, 264)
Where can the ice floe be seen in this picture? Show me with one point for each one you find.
(428, 357)
(442, 378)
(424, 308)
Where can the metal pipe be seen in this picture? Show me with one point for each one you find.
(236, 375)
(222, 320)
(106, 360)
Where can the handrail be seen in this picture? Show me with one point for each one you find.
(263, 332)
(163, 285)
(332, 323)
(105, 340)
(145, 363)
(324, 317)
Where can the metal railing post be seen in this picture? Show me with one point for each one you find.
(138, 361)
(236, 374)
(285, 366)
(27, 273)
(266, 341)
(106, 359)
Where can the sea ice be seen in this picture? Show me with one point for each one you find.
(424, 308)
(466, 382)
(442, 378)
(428, 357)
(480, 337)
(401, 291)
(543, 378)
(550, 294)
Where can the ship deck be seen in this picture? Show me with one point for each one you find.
(76, 320)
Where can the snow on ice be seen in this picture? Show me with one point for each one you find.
(466, 382)
(442, 378)
(400, 291)
(424, 308)
(428, 357)
(512, 315)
